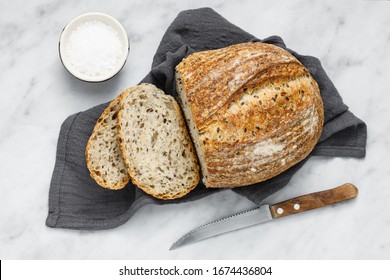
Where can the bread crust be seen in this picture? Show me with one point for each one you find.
(133, 176)
(98, 179)
(255, 108)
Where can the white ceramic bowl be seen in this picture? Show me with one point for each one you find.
(72, 25)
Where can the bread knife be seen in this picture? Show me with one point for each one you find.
(266, 213)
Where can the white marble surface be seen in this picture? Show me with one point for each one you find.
(352, 39)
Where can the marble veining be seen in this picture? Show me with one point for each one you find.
(352, 40)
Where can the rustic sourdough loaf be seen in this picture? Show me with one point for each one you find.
(253, 111)
(155, 143)
(103, 154)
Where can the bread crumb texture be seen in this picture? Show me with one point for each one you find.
(155, 143)
(103, 155)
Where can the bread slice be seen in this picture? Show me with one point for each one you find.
(103, 154)
(155, 143)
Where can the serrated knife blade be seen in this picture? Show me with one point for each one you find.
(245, 219)
(267, 213)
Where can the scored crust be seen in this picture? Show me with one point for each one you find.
(103, 153)
(253, 111)
(166, 190)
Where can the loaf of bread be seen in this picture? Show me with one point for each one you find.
(103, 154)
(253, 111)
(155, 143)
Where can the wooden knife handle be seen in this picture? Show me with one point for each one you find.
(313, 201)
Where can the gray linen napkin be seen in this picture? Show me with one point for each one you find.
(77, 202)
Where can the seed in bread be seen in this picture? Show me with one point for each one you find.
(103, 154)
(155, 143)
(253, 111)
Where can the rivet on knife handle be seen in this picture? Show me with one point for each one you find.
(313, 201)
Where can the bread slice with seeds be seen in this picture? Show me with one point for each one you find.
(155, 143)
(103, 154)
